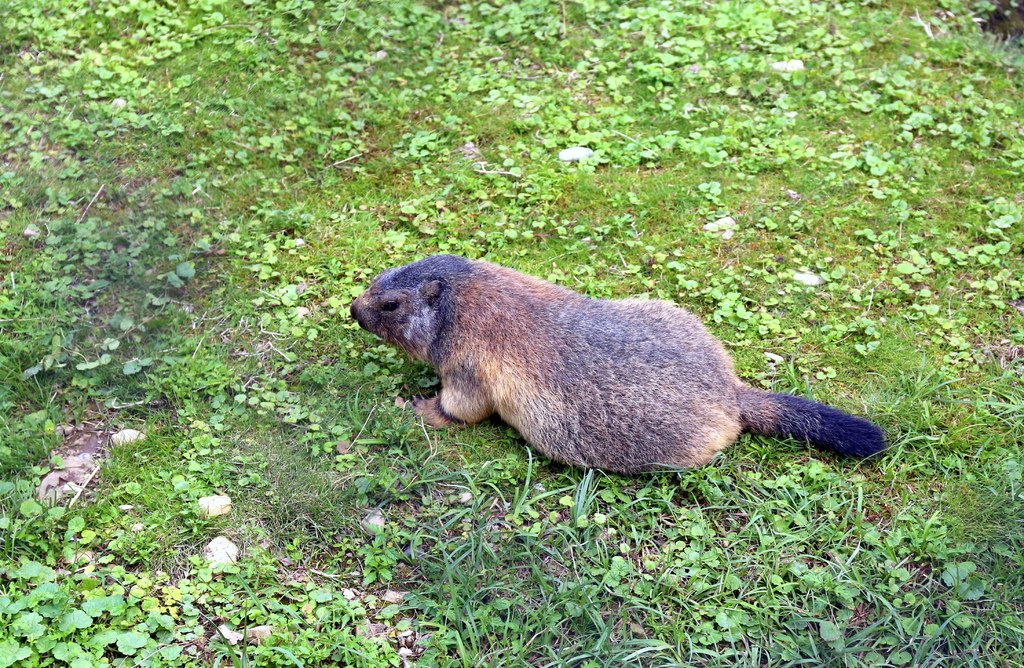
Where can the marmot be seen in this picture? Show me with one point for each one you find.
(622, 385)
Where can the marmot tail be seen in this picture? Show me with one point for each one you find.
(772, 414)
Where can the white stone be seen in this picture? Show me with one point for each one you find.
(720, 225)
(728, 234)
(574, 154)
(777, 359)
(230, 636)
(221, 551)
(212, 506)
(465, 497)
(258, 634)
(301, 311)
(299, 242)
(470, 151)
(31, 232)
(808, 278)
(119, 103)
(138, 527)
(392, 596)
(795, 65)
(373, 522)
(126, 436)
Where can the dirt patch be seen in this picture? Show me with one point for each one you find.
(81, 454)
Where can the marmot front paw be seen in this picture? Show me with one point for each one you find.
(431, 412)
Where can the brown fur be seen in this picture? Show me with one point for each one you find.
(622, 385)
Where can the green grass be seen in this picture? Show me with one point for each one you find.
(212, 182)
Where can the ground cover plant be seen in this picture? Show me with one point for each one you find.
(192, 192)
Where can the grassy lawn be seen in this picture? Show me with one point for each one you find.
(191, 193)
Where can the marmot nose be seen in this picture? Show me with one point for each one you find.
(357, 313)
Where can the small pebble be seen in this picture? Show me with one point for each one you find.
(258, 634)
(126, 436)
(119, 103)
(788, 66)
(373, 522)
(392, 596)
(221, 551)
(138, 527)
(575, 154)
(230, 636)
(470, 151)
(808, 278)
(722, 224)
(465, 497)
(31, 232)
(301, 311)
(212, 506)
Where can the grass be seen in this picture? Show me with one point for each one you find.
(206, 186)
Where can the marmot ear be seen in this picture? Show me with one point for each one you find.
(431, 291)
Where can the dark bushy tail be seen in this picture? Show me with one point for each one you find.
(786, 415)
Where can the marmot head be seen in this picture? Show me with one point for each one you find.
(407, 306)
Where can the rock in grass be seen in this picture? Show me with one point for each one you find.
(392, 596)
(31, 232)
(258, 634)
(790, 66)
(126, 436)
(231, 636)
(119, 103)
(807, 278)
(212, 506)
(724, 227)
(373, 522)
(574, 154)
(221, 551)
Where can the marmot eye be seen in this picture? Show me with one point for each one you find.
(389, 306)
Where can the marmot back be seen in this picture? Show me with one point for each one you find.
(622, 385)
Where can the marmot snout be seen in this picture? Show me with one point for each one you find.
(622, 385)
